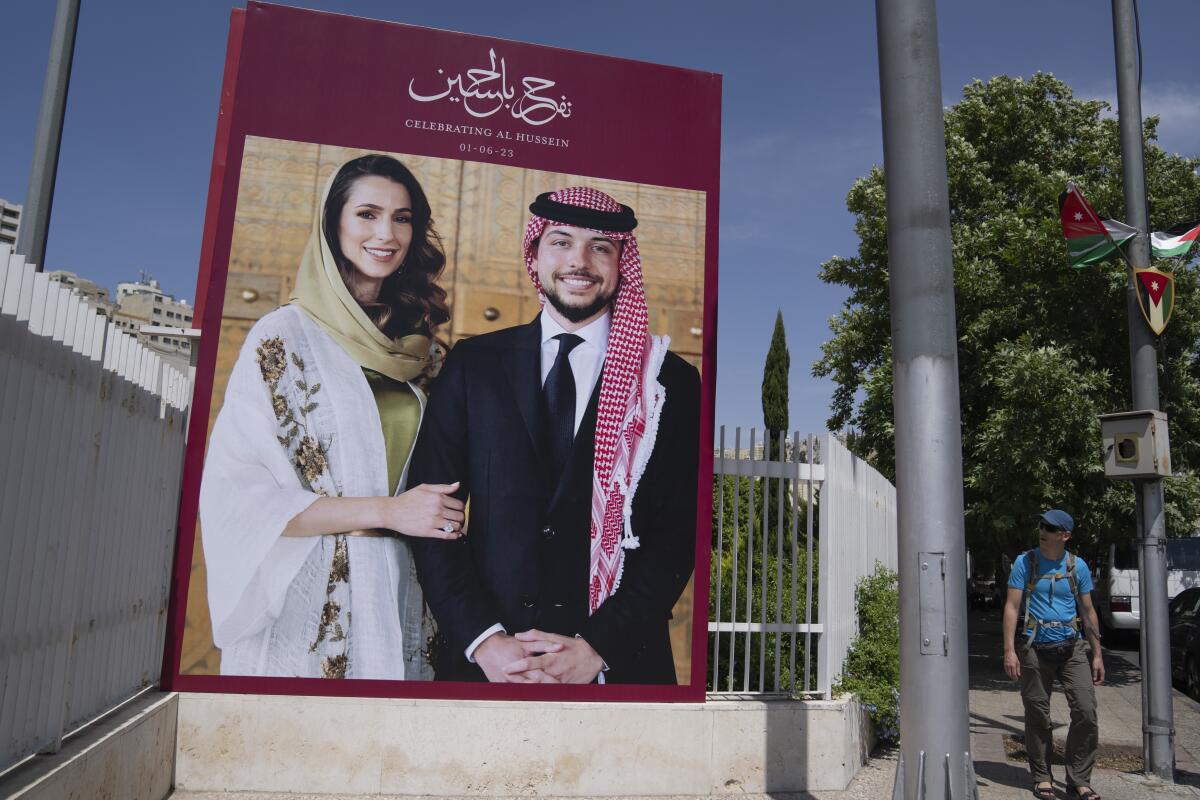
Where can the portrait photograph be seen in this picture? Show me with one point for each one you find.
(314, 400)
(453, 416)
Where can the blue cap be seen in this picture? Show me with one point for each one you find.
(1059, 519)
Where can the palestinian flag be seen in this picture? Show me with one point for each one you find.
(1175, 241)
(1089, 238)
(1156, 296)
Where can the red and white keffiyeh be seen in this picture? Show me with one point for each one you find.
(630, 398)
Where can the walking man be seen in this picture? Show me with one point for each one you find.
(1056, 586)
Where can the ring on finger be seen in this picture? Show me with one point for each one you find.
(447, 528)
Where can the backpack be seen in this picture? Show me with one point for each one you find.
(1032, 623)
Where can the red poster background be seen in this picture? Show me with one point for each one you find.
(317, 77)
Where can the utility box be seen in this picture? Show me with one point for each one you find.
(1135, 445)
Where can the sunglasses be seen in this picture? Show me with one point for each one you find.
(1048, 528)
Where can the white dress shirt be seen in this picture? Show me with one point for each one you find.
(586, 361)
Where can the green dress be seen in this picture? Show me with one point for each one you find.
(399, 416)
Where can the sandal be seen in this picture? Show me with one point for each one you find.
(1084, 792)
(1045, 792)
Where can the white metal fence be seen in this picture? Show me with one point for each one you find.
(773, 556)
(92, 425)
(858, 518)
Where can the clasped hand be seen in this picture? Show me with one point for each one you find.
(534, 656)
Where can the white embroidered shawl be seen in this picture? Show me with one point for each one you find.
(267, 593)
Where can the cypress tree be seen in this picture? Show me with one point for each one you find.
(775, 416)
(775, 387)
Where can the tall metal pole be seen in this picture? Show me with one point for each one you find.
(35, 218)
(1157, 715)
(934, 726)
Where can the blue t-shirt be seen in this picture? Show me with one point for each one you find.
(1051, 600)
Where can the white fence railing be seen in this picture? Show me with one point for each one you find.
(858, 523)
(92, 425)
(801, 524)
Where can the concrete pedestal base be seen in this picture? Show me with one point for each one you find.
(351, 746)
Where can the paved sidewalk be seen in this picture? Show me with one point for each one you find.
(996, 710)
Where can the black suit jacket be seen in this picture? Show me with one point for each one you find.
(525, 560)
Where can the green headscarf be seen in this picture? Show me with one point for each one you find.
(322, 293)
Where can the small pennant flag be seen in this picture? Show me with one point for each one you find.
(1089, 238)
(1175, 242)
(1156, 296)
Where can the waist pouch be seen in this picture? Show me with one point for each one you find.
(1054, 652)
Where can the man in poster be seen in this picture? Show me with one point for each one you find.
(575, 438)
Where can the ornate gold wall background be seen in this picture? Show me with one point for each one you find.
(480, 211)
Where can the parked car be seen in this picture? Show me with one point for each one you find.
(1184, 611)
(984, 592)
(1116, 580)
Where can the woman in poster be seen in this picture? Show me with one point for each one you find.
(303, 500)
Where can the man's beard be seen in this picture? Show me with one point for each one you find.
(577, 313)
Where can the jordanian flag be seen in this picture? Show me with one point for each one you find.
(1156, 296)
(1089, 238)
(1176, 241)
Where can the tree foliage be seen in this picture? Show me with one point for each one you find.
(775, 412)
(1043, 348)
(775, 385)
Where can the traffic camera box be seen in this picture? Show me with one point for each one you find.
(1135, 445)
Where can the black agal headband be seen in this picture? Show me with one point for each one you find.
(622, 221)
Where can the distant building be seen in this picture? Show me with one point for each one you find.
(94, 295)
(758, 453)
(10, 222)
(145, 303)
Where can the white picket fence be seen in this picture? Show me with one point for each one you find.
(768, 617)
(92, 424)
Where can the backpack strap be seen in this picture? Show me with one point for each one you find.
(1082, 625)
(1031, 580)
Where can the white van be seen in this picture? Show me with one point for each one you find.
(1116, 580)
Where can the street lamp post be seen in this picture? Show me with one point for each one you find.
(1158, 729)
(934, 729)
(35, 217)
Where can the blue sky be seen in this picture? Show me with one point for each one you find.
(800, 123)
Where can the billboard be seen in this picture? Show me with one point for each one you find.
(455, 382)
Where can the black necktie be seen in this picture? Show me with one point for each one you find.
(560, 403)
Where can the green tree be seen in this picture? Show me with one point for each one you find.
(1043, 348)
(775, 387)
(775, 417)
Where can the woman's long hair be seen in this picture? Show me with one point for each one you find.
(410, 300)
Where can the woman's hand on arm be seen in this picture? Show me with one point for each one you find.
(424, 511)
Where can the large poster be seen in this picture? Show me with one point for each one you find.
(453, 412)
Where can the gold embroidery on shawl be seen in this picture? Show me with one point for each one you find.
(310, 459)
(340, 570)
(309, 456)
(334, 666)
(272, 360)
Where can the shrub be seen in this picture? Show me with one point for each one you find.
(872, 666)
